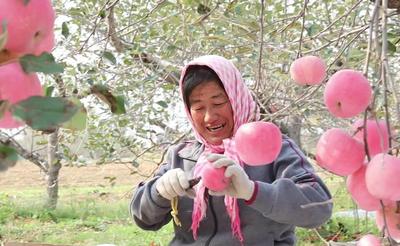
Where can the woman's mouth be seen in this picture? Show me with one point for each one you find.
(215, 128)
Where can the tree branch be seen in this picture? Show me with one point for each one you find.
(151, 62)
(259, 80)
(34, 158)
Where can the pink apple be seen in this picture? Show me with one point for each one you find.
(15, 86)
(392, 220)
(28, 25)
(358, 189)
(382, 177)
(214, 178)
(369, 240)
(45, 46)
(377, 135)
(347, 93)
(339, 153)
(258, 143)
(308, 70)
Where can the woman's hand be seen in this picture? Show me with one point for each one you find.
(174, 183)
(241, 186)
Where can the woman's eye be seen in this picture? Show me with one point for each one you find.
(219, 104)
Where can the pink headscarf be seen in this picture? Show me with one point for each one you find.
(244, 110)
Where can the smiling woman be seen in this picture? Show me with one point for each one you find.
(208, 104)
(256, 205)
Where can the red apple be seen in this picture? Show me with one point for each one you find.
(28, 25)
(347, 93)
(214, 178)
(258, 143)
(358, 189)
(308, 70)
(382, 177)
(369, 240)
(392, 221)
(339, 153)
(377, 135)
(15, 86)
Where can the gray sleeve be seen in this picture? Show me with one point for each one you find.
(297, 195)
(149, 210)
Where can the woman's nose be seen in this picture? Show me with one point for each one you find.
(210, 116)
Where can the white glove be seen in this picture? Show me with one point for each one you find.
(241, 186)
(174, 183)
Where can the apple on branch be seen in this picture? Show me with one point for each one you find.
(347, 93)
(308, 70)
(15, 86)
(29, 26)
(339, 153)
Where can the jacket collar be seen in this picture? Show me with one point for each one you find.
(191, 151)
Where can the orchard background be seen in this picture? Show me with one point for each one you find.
(112, 75)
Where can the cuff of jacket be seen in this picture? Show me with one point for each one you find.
(158, 199)
(254, 195)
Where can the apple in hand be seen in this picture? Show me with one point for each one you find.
(214, 178)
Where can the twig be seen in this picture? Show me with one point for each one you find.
(371, 29)
(337, 19)
(384, 60)
(34, 158)
(345, 48)
(259, 80)
(96, 23)
(320, 237)
(365, 135)
(303, 15)
(165, 152)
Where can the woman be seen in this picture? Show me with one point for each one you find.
(262, 204)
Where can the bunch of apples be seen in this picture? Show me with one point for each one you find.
(26, 27)
(348, 93)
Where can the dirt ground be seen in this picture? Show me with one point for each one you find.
(25, 174)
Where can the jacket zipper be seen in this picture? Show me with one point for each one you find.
(215, 221)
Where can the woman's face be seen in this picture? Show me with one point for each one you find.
(211, 112)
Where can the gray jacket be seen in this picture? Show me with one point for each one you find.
(285, 188)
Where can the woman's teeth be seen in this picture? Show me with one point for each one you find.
(215, 128)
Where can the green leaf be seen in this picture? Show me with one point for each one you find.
(120, 109)
(109, 56)
(391, 47)
(78, 121)
(162, 104)
(26, 2)
(8, 157)
(102, 14)
(44, 63)
(116, 103)
(44, 113)
(3, 34)
(65, 30)
(312, 30)
(49, 91)
(135, 163)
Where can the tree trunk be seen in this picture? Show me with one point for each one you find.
(53, 171)
(294, 128)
